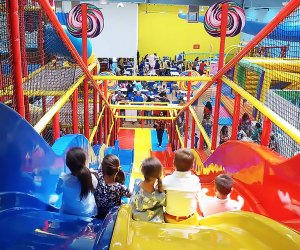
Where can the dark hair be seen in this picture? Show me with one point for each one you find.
(75, 161)
(110, 165)
(223, 129)
(208, 105)
(257, 125)
(120, 177)
(151, 168)
(223, 184)
(245, 117)
(184, 159)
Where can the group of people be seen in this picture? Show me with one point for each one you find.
(172, 199)
(246, 130)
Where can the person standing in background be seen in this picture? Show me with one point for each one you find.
(202, 67)
(160, 129)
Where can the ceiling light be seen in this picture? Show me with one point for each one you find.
(120, 5)
(180, 11)
(103, 2)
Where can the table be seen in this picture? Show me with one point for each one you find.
(174, 73)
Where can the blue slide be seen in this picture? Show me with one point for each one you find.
(29, 217)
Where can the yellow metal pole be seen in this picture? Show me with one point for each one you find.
(109, 134)
(179, 137)
(145, 117)
(202, 130)
(95, 128)
(153, 78)
(42, 123)
(289, 129)
(141, 107)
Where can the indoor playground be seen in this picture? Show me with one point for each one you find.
(219, 79)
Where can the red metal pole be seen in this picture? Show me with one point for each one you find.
(27, 108)
(56, 126)
(95, 115)
(266, 132)
(101, 121)
(75, 112)
(85, 82)
(193, 133)
(291, 6)
(105, 88)
(105, 125)
(224, 22)
(187, 114)
(16, 53)
(236, 116)
(201, 142)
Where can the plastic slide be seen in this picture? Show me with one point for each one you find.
(29, 173)
(232, 230)
(285, 31)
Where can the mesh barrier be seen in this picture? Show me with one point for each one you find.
(6, 71)
(48, 69)
(270, 73)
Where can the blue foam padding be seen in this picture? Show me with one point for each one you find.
(126, 168)
(108, 151)
(96, 149)
(126, 156)
(154, 141)
(225, 121)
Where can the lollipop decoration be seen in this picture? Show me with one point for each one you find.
(183, 85)
(236, 19)
(112, 85)
(95, 21)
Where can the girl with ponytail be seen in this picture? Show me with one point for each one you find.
(78, 186)
(110, 191)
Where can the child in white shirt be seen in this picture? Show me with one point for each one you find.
(221, 202)
(182, 190)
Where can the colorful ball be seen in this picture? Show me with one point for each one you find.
(236, 19)
(112, 85)
(183, 85)
(95, 21)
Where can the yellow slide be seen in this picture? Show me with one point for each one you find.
(231, 230)
(142, 146)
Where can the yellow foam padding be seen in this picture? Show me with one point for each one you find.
(142, 147)
(91, 59)
(231, 230)
(280, 64)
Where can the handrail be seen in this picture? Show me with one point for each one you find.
(42, 123)
(202, 130)
(109, 134)
(289, 129)
(144, 107)
(145, 117)
(96, 126)
(179, 136)
(153, 78)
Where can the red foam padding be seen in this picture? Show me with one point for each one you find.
(126, 138)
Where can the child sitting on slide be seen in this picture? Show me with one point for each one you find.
(182, 190)
(147, 201)
(108, 192)
(221, 202)
(78, 186)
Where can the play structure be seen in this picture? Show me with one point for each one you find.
(63, 103)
